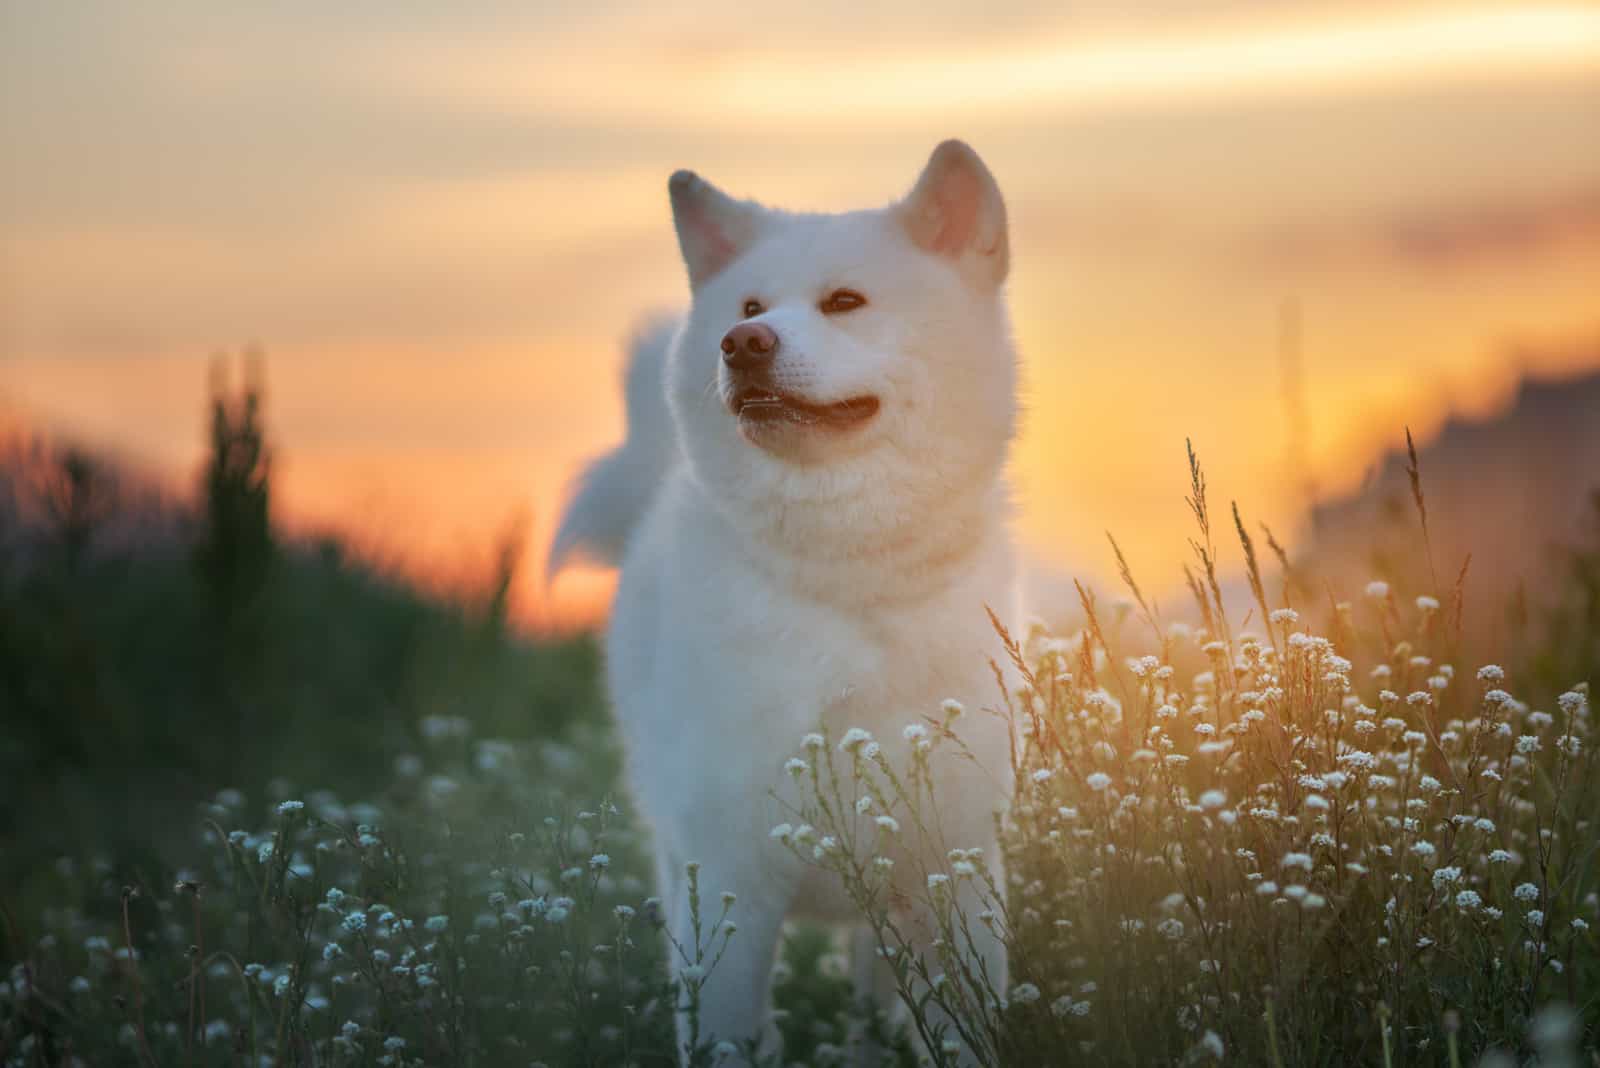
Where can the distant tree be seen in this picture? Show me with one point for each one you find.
(235, 549)
(508, 557)
(78, 495)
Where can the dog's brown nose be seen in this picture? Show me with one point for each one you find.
(749, 346)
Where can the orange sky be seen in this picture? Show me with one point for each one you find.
(440, 224)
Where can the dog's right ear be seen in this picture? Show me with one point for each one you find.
(713, 228)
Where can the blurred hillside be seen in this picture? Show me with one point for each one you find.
(155, 649)
(1518, 491)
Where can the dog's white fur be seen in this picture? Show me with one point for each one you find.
(778, 580)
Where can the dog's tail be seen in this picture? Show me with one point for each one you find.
(610, 495)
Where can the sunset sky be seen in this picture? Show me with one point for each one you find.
(440, 221)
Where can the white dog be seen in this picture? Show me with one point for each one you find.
(810, 514)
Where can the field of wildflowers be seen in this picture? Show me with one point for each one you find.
(1317, 834)
(1262, 844)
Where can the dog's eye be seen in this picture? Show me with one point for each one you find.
(752, 308)
(841, 300)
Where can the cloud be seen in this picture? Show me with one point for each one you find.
(1490, 231)
(688, 80)
(1438, 237)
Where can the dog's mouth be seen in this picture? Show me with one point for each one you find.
(762, 406)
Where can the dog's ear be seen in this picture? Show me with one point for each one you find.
(955, 210)
(713, 228)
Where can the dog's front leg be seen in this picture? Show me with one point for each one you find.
(735, 977)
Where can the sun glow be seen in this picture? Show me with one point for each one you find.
(441, 230)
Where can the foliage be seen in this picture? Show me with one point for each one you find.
(1267, 843)
(1324, 835)
(148, 661)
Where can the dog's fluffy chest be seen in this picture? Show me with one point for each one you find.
(715, 650)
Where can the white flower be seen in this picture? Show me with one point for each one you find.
(1429, 785)
(813, 741)
(1359, 760)
(1491, 674)
(1500, 856)
(1098, 781)
(436, 923)
(1212, 1044)
(1171, 929)
(1526, 892)
(599, 862)
(1025, 994)
(914, 732)
(782, 832)
(1043, 775)
(1569, 744)
(1427, 604)
(1423, 848)
(1377, 590)
(394, 1043)
(952, 708)
(796, 767)
(863, 804)
(1467, 900)
(1535, 918)
(889, 824)
(1213, 799)
(1297, 860)
(1444, 876)
(1528, 743)
(1284, 615)
(289, 808)
(938, 880)
(1313, 901)
(854, 739)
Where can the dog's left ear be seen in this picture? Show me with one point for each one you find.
(714, 229)
(956, 211)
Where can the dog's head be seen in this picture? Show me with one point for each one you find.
(868, 350)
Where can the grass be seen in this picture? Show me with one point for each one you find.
(272, 808)
(1316, 840)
